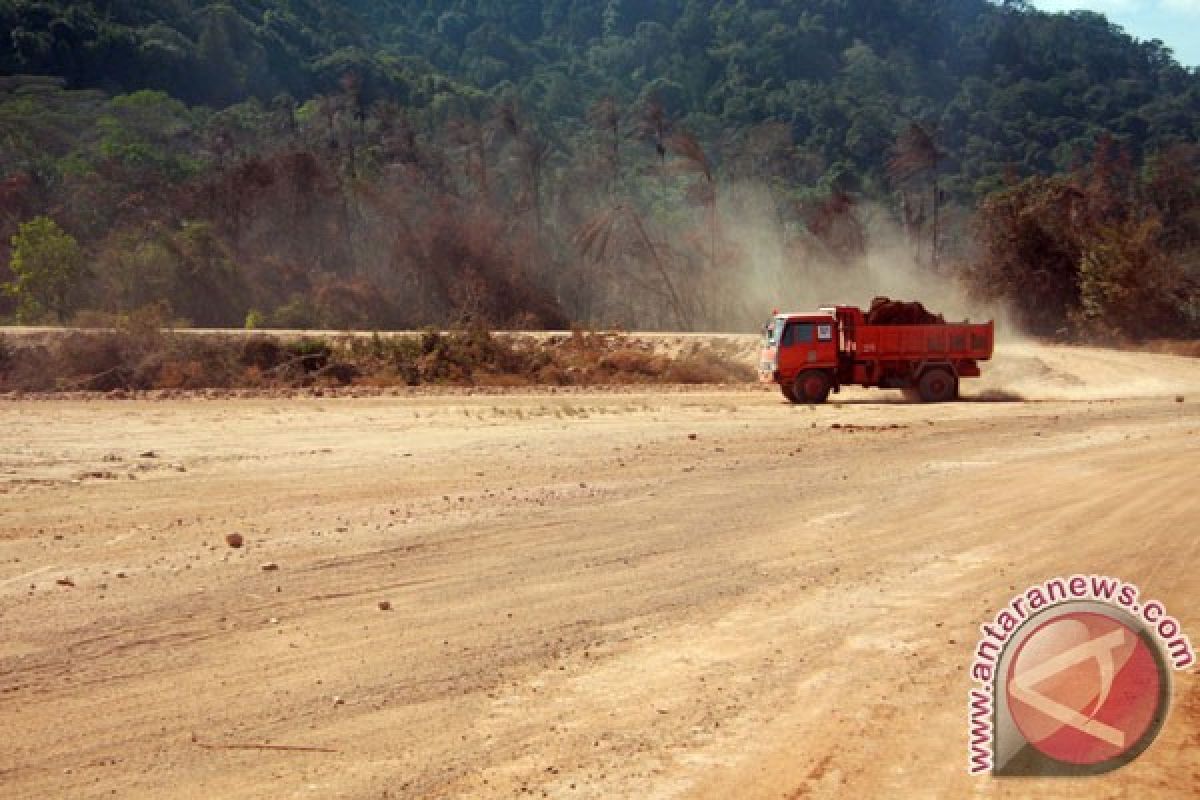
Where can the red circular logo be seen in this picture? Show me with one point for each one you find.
(1084, 688)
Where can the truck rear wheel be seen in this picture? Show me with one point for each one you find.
(938, 385)
(789, 394)
(811, 386)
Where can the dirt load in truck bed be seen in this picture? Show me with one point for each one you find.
(885, 311)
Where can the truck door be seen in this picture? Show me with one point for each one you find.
(810, 344)
(827, 342)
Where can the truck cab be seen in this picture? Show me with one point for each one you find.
(800, 353)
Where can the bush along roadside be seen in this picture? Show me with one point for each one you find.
(135, 358)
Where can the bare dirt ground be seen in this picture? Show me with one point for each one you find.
(594, 594)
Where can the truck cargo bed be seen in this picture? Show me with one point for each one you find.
(922, 342)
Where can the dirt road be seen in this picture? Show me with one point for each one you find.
(702, 594)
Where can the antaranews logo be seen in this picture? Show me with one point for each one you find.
(1073, 678)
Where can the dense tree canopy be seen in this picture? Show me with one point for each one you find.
(1005, 84)
(315, 159)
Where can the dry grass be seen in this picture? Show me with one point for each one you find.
(143, 356)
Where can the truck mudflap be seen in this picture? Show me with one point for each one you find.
(968, 369)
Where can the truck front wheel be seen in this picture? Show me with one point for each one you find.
(789, 394)
(811, 386)
(938, 385)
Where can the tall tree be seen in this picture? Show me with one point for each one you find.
(605, 115)
(913, 168)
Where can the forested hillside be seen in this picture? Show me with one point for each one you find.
(663, 163)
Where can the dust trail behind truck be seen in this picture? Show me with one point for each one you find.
(894, 345)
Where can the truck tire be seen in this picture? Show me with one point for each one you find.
(938, 385)
(811, 386)
(789, 394)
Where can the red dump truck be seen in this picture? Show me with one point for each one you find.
(894, 345)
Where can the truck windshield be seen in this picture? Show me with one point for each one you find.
(775, 331)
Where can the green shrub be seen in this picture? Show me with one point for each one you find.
(46, 263)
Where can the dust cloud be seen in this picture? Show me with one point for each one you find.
(1061, 372)
(779, 265)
